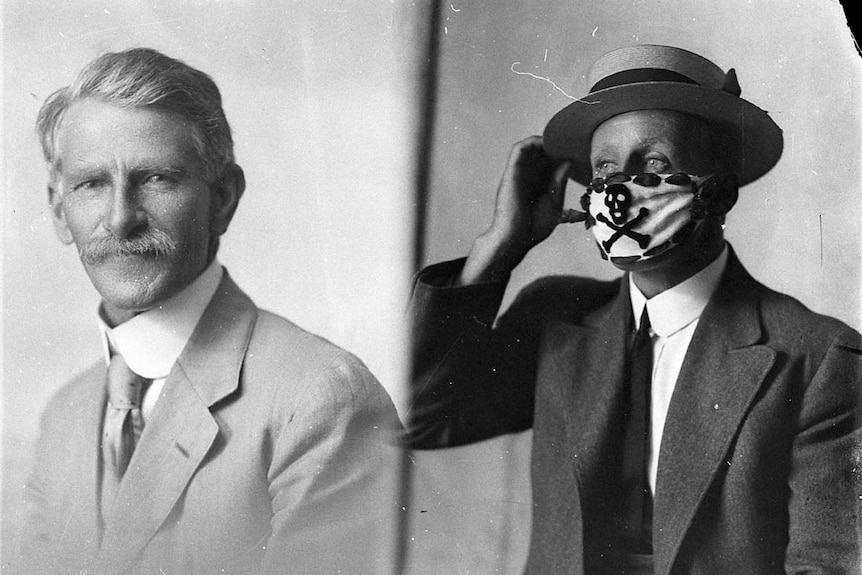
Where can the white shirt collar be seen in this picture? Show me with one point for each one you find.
(151, 342)
(677, 307)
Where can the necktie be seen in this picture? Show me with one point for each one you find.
(638, 498)
(123, 426)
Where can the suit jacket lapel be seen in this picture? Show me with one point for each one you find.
(182, 429)
(84, 521)
(592, 358)
(722, 372)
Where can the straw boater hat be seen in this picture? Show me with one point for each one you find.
(647, 77)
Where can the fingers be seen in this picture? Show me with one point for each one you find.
(571, 216)
(532, 193)
(529, 154)
(527, 175)
(560, 178)
(558, 194)
(528, 144)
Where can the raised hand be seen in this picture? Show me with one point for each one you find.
(529, 205)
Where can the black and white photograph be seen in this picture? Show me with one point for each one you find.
(538, 449)
(415, 288)
(204, 286)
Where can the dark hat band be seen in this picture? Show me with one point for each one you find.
(638, 75)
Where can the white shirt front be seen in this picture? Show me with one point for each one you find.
(674, 315)
(151, 342)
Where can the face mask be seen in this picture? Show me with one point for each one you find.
(636, 218)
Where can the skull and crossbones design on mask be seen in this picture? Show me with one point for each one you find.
(635, 218)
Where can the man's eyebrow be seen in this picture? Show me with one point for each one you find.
(79, 169)
(651, 140)
(605, 149)
(157, 167)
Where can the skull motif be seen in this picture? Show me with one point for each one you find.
(640, 216)
(618, 198)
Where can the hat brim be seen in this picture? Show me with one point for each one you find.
(760, 141)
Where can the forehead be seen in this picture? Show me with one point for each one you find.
(96, 132)
(643, 128)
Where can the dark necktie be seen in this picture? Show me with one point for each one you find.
(638, 498)
(123, 426)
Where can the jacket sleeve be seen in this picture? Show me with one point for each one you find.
(333, 476)
(50, 541)
(36, 541)
(825, 506)
(469, 380)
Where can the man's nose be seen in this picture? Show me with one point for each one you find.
(125, 215)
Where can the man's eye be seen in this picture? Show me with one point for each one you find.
(88, 185)
(604, 167)
(656, 165)
(158, 179)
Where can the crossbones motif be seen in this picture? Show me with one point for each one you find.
(625, 230)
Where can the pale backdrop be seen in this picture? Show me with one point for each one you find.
(320, 96)
(500, 64)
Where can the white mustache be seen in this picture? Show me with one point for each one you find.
(154, 242)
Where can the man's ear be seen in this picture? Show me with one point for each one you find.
(226, 192)
(720, 193)
(55, 201)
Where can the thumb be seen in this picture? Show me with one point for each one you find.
(557, 193)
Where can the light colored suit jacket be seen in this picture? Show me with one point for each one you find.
(759, 467)
(269, 450)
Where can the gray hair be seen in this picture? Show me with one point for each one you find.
(143, 77)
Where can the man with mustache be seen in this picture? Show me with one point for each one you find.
(213, 436)
(686, 418)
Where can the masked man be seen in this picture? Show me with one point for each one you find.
(213, 436)
(686, 419)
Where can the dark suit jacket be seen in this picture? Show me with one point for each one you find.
(759, 467)
(269, 449)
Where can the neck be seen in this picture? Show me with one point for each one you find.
(690, 260)
(114, 316)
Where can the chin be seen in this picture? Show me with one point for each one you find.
(688, 250)
(655, 262)
(132, 297)
(135, 286)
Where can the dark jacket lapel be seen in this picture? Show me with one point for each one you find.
(591, 356)
(721, 374)
(181, 429)
(580, 389)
